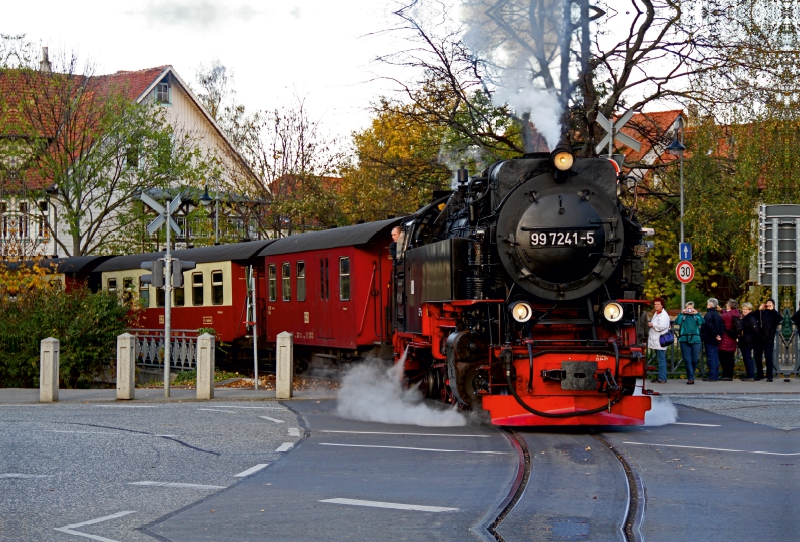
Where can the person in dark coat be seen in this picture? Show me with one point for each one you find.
(796, 319)
(748, 339)
(727, 346)
(712, 331)
(768, 321)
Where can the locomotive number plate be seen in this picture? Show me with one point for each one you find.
(581, 238)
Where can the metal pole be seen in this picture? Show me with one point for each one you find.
(775, 260)
(255, 325)
(216, 213)
(167, 305)
(611, 133)
(796, 265)
(683, 285)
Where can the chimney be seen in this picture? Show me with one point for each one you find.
(44, 65)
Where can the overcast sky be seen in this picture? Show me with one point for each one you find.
(318, 49)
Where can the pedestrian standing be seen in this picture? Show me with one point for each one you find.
(748, 339)
(659, 325)
(728, 344)
(768, 321)
(711, 333)
(689, 322)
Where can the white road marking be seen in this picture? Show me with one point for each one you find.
(271, 419)
(393, 505)
(697, 424)
(174, 484)
(712, 449)
(412, 448)
(68, 528)
(127, 406)
(294, 432)
(217, 410)
(286, 446)
(22, 475)
(261, 407)
(83, 432)
(251, 470)
(413, 434)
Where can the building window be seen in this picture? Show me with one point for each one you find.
(144, 294)
(111, 285)
(197, 289)
(23, 220)
(216, 288)
(344, 279)
(286, 285)
(162, 92)
(301, 281)
(132, 157)
(42, 222)
(273, 287)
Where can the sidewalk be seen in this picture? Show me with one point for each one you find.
(737, 387)
(151, 395)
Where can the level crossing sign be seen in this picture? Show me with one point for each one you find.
(685, 272)
(685, 252)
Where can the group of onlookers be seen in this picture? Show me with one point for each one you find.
(722, 332)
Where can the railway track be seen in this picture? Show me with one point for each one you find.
(528, 524)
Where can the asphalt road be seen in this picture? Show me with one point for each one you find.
(167, 471)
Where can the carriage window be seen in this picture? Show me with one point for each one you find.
(286, 281)
(197, 289)
(216, 287)
(111, 284)
(273, 287)
(160, 297)
(344, 279)
(128, 289)
(144, 294)
(179, 297)
(301, 281)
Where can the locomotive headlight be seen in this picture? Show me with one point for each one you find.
(563, 160)
(612, 312)
(521, 311)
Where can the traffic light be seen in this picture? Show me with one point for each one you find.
(178, 267)
(156, 276)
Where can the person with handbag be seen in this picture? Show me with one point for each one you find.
(712, 331)
(659, 325)
(689, 322)
(728, 344)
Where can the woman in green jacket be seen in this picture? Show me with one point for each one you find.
(689, 322)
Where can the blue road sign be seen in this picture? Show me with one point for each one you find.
(685, 252)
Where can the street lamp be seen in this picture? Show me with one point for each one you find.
(206, 200)
(676, 148)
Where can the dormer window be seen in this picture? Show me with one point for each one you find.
(162, 91)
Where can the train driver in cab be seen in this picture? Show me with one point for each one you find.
(397, 239)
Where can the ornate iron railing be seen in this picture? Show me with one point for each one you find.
(150, 348)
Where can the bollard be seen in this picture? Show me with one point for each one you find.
(284, 366)
(48, 372)
(205, 366)
(126, 366)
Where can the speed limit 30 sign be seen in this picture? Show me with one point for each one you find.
(685, 272)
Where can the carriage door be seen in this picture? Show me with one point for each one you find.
(324, 296)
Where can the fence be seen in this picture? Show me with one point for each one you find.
(785, 360)
(150, 348)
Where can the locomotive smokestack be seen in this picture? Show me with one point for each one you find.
(463, 175)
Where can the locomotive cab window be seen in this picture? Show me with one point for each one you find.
(111, 285)
(197, 289)
(273, 286)
(144, 294)
(301, 281)
(286, 281)
(216, 288)
(344, 279)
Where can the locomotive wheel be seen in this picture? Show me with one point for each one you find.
(300, 366)
(474, 381)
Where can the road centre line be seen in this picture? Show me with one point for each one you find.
(412, 448)
(271, 419)
(261, 407)
(23, 475)
(285, 447)
(709, 448)
(697, 424)
(390, 433)
(393, 505)
(68, 528)
(175, 484)
(294, 432)
(127, 406)
(217, 410)
(251, 470)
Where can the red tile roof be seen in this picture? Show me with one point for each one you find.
(134, 83)
(649, 129)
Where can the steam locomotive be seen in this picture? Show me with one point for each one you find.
(518, 293)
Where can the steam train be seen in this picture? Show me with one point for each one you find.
(517, 293)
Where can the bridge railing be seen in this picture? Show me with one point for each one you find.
(150, 348)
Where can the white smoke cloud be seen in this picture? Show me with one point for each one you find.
(542, 105)
(372, 392)
(662, 412)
